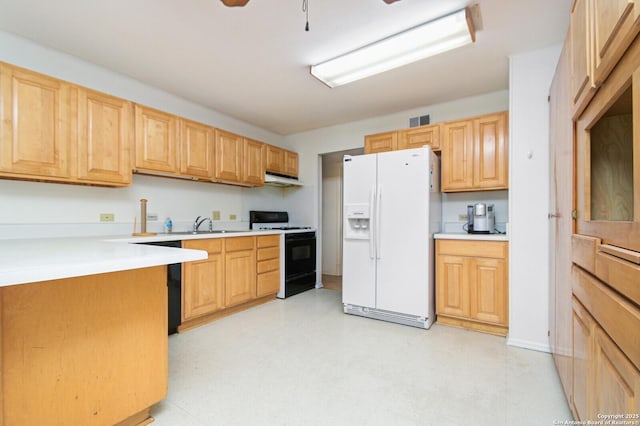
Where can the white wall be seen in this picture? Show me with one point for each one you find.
(74, 210)
(530, 77)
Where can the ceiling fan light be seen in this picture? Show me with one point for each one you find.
(425, 40)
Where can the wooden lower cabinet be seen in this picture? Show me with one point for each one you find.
(239, 273)
(90, 350)
(240, 270)
(203, 280)
(605, 381)
(472, 285)
(268, 265)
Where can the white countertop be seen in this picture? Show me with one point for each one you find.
(475, 237)
(42, 259)
(180, 236)
(25, 261)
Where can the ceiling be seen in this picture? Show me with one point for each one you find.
(252, 63)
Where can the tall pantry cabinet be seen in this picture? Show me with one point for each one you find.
(597, 348)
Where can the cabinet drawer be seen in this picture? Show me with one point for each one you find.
(213, 245)
(268, 241)
(268, 265)
(492, 249)
(239, 243)
(616, 315)
(269, 253)
(268, 283)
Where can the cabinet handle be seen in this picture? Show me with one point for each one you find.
(553, 215)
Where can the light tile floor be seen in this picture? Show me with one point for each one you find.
(301, 361)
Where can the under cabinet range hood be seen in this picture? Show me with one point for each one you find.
(281, 181)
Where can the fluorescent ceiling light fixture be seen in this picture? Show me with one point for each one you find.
(428, 39)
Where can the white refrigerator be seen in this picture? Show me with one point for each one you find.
(392, 208)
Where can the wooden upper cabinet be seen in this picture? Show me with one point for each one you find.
(381, 142)
(228, 152)
(196, 144)
(281, 161)
(156, 140)
(474, 154)
(417, 137)
(36, 121)
(490, 168)
(600, 33)
(275, 159)
(615, 25)
(582, 82)
(290, 163)
(105, 137)
(607, 178)
(457, 156)
(253, 168)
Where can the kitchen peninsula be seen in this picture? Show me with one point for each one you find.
(83, 330)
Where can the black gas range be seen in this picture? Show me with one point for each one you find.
(299, 250)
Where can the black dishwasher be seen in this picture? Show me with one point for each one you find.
(174, 287)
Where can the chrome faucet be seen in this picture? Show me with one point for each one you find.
(199, 220)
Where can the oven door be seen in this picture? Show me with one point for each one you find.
(300, 254)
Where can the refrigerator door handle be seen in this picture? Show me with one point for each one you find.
(372, 202)
(378, 222)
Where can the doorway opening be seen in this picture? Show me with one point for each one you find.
(331, 214)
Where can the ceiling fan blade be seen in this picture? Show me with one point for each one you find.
(390, 1)
(234, 3)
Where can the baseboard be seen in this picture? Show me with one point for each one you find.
(526, 344)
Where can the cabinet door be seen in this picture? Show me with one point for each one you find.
(105, 136)
(240, 277)
(253, 170)
(615, 25)
(290, 163)
(561, 169)
(616, 387)
(36, 118)
(452, 286)
(156, 140)
(196, 149)
(488, 290)
(203, 286)
(457, 156)
(582, 82)
(228, 156)
(275, 159)
(490, 170)
(381, 142)
(268, 283)
(583, 330)
(420, 136)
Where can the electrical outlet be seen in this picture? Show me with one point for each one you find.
(232, 216)
(215, 215)
(107, 217)
(152, 216)
(463, 217)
